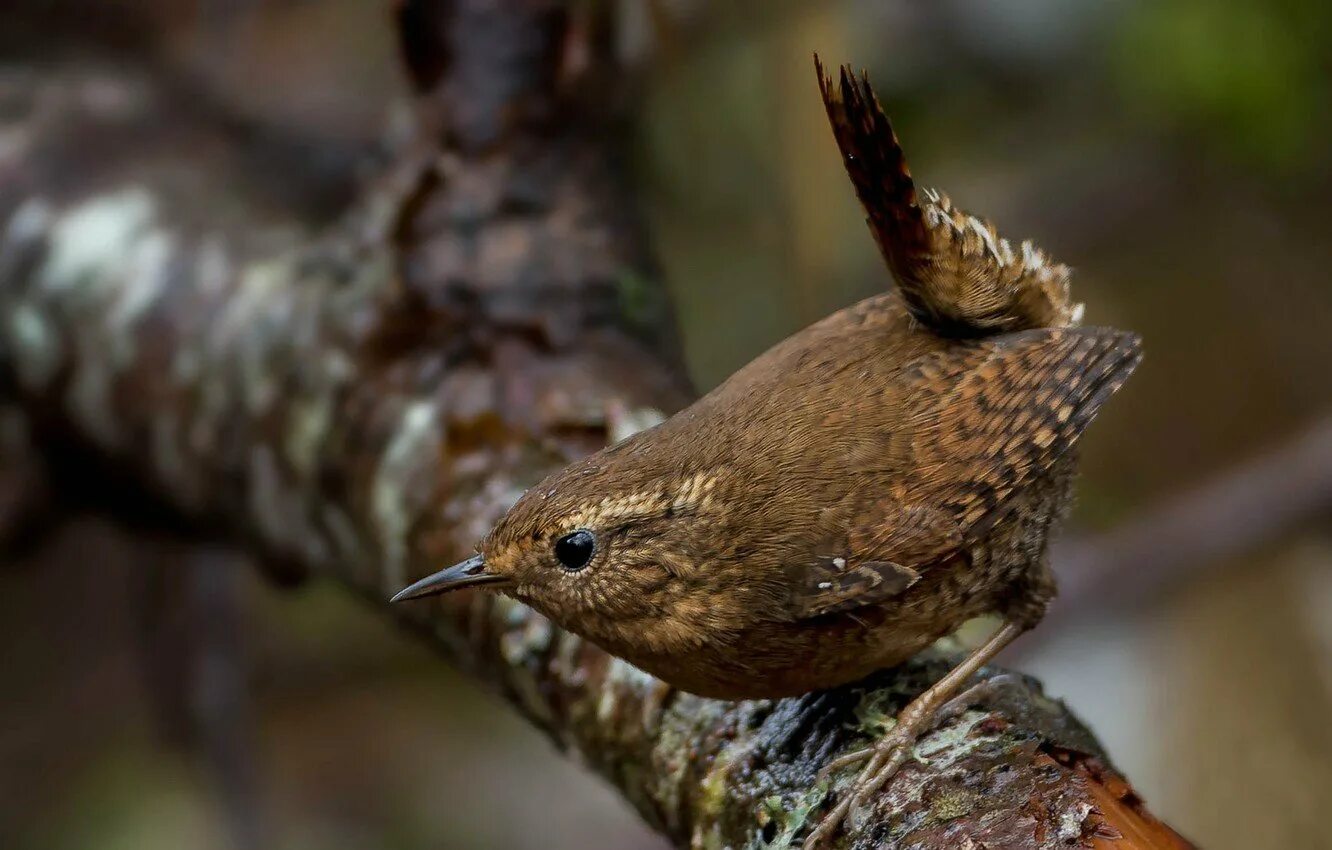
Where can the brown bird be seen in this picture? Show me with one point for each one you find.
(855, 493)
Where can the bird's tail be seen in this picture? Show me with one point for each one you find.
(956, 274)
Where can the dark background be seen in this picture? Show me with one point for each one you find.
(1175, 152)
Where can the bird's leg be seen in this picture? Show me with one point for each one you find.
(975, 695)
(940, 702)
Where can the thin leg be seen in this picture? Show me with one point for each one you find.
(974, 696)
(920, 715)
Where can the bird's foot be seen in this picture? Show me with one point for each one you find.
(882, 761)
(889, 753)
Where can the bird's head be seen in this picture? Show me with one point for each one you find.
(605, 548)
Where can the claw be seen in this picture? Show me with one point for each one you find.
(884, 760)
(940, 702)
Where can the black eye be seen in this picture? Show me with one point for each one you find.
(575, 549)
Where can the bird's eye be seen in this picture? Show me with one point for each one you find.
(575, 549)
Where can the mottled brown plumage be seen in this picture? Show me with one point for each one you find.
(851, 495)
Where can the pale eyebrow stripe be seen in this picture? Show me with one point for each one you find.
(694, 493)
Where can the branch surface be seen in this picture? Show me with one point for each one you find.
(363, 403)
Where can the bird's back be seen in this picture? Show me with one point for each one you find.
(870, 407)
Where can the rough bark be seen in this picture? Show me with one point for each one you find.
(362, 403)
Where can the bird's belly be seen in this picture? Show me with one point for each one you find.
(787, 659)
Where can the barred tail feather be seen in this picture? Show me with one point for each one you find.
(956, 275)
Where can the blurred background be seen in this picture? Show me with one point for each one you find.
(1175, 152)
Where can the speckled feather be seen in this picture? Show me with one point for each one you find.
(954, 270)
(1015, 403)
(855, 492)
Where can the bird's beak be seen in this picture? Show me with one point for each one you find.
(470, 573)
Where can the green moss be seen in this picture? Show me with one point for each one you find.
(785, 819)
(949, 804)
(713, 799)
(876, 714)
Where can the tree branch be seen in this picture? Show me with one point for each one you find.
(366, 403)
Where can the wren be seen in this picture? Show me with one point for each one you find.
(853, 494)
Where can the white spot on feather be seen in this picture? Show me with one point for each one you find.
(985, 235)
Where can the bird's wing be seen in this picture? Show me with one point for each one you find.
(879, 557)
(988, 417)
(1015, 404)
